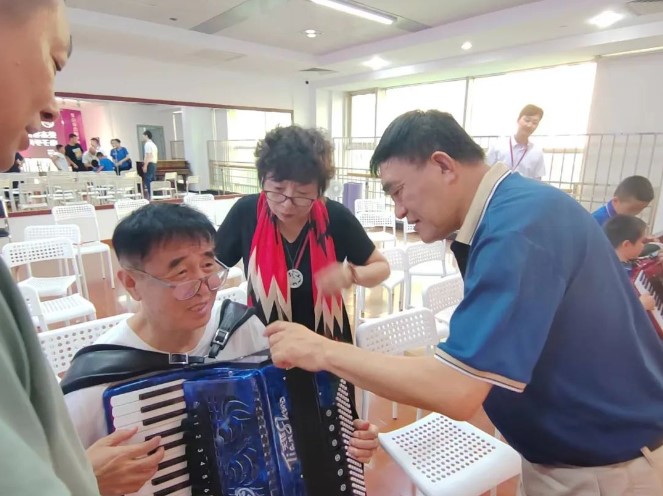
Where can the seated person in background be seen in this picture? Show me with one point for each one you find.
(91, 154)
(517, 151)
(59, 159)
(167, 263)
(94, 165)
(120, 155)
(627, 235)
(105, 164)
(631, 197)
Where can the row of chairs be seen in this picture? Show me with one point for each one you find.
(415, 260)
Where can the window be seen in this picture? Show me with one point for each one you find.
(448, 96)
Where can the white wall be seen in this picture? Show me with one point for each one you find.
(627, 95)
(143, 78)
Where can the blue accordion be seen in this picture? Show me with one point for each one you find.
(234, 429)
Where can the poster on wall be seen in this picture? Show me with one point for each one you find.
(43, 142)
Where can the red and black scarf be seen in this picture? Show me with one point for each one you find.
(269, 291)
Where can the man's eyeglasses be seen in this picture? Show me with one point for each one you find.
(188, 289)
(297, 201)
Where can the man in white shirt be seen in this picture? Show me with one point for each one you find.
(166, 254)
(59, 159)
(517, 152)
(91, 153)
(150, 161)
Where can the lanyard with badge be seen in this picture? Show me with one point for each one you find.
(515, 166)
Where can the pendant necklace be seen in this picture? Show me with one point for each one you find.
(295, 276)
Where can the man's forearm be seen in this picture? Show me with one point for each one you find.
(423, 382)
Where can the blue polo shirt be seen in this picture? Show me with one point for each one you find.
(119, 153)
(603, 214)
(106, 164)
(550, 318)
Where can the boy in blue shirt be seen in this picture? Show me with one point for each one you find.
(550, 337)
(632, 196)
(105, 164)
(628, 234)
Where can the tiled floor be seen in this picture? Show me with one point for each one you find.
(384, 477)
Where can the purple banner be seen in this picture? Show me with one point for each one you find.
(71, 121)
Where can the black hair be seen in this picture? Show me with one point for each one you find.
(155, 224)
(94, 163)
(115, 139)
(73, 135)
(635, 187)
(148, 133)
(622, 228)
(58, 146)
(416, 135)
(96, 139)
(100, 154)
(531, 111)
(298, 154)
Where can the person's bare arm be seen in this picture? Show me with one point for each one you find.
(341, 276)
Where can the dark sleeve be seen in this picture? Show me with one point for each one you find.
(233, 234)
(350, 238)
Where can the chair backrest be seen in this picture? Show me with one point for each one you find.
(399, 332)
(232, 294)
(395, 257)
(191, 199)
(365, 205)
(170, 176)
(125, 207)
(70, 231)
(31, 298)
(161, 185)
(407, 227)
(61, 345)
(444, 294)
(425, 252)
(83, 215)
(129, 173)
(27, 252)
(382, 219)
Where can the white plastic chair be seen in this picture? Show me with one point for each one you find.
(204, 203)
(61, 345)
(85, 216)
(125, 207)
(397, 265)
(381, 221)
(369, 205)
(232, 294)
(394, 335)
(407, 229)
(163, 188)
(445, 457)
(62, 309)
(25, 253)
(191, 180)
(33, 196)
(69, 231)
(424, 259)
(442, 298)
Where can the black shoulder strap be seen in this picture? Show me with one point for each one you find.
(104, 363)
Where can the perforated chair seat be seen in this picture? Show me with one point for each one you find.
(61, 345)
(444, 457)
(235, 272)
(232, 294)
(66, 308)
(444, 316)
(430, 268)
(48, 287)
(381, 237)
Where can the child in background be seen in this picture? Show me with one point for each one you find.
(628, 234)
(632, 196)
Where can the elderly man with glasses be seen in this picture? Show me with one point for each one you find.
(168, 265)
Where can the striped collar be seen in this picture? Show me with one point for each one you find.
(495, 175)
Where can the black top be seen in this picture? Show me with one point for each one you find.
(233, 242)
(15, 167)
(70, 152)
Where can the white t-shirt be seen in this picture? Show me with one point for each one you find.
(88, 157)
(150, 147)
(527, 159)
(85, 405)
(60, 161)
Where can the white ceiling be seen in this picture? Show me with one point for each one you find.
(266, 36)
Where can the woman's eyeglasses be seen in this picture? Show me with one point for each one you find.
(297, 201)
(188, 289)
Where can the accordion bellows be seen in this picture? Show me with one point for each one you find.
(237, 430)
